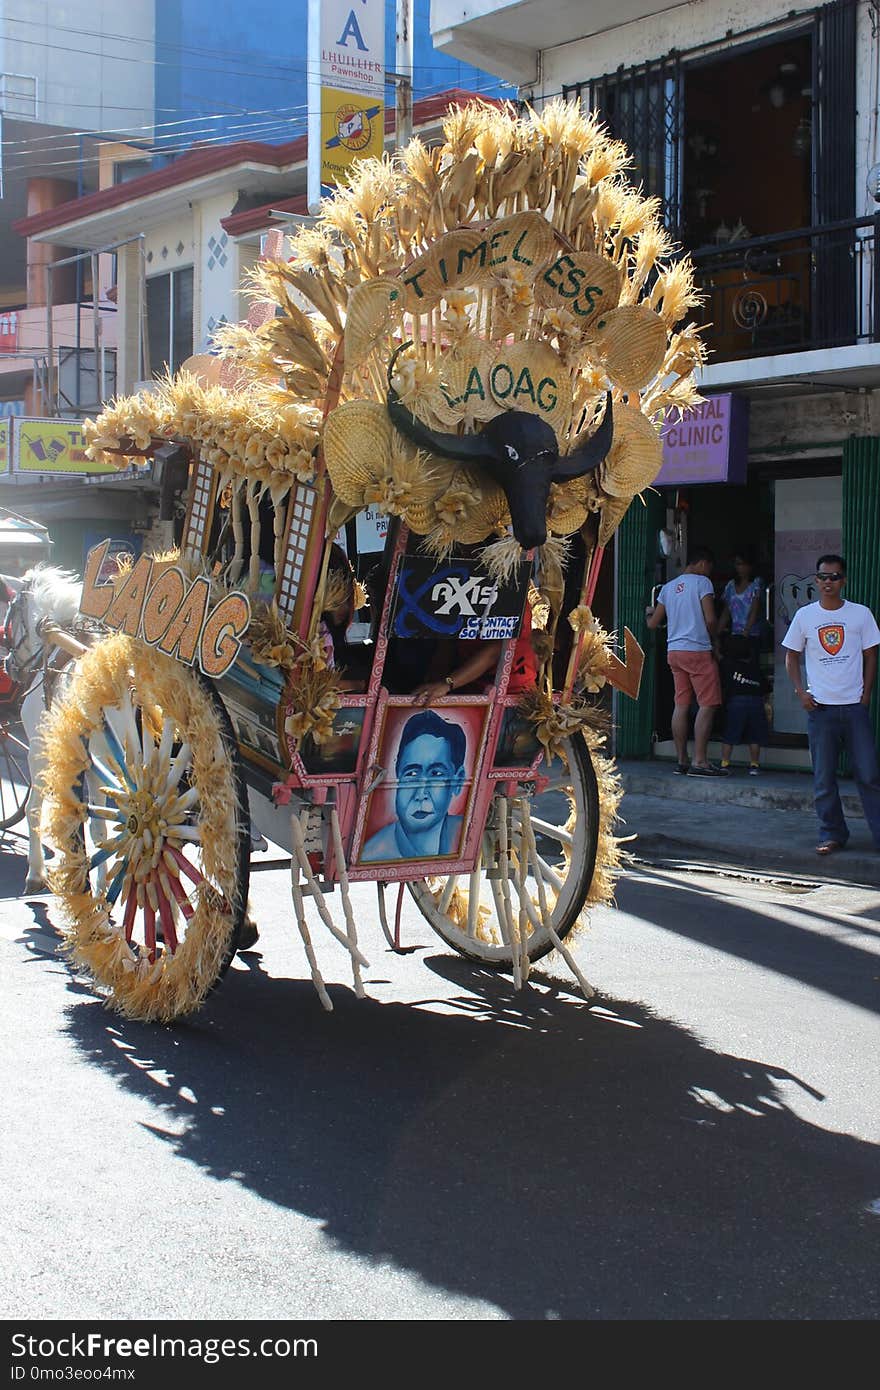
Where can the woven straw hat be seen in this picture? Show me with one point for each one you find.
(374, 309)
(567, 510)
(471, 394)
(357, 448)
(529, 235)
(633, 343)
(635, 456)
(430, 275)
(485, 516)
(585, 271)
(421, 515)
(614, 509)
(531, 366)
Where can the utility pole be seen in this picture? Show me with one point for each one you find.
(403, 73)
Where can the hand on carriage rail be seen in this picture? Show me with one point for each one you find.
(484, 659)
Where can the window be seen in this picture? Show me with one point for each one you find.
(18, 95)
(170, 319)
(124, 170)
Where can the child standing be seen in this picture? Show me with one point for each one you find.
(743, 686)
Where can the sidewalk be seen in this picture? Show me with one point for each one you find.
(765, 823)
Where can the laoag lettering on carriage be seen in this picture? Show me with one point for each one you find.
(169, 612)
(517, 388)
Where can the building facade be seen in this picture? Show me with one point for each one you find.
(185, 234)
(756, 125)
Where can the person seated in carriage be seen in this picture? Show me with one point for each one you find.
(343, 596)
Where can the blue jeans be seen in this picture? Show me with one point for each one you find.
(831, 727)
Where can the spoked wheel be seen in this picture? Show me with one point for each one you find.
(534, 872)
(147, 807)
(15, 780)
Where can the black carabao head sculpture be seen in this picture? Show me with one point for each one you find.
(518, 450)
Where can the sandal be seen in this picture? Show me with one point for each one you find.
(829, 847)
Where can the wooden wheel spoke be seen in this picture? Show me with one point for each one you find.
(110, 783)
(107, 851)
(166, 914)
(555, 832)
(184, 864)
(190, 833)
(150, 926)
(446, 895)
(179, 766)
(117, 753)
(131, 904)
(178, 892)
(550, 874)
(104, 812)
(130, 736)
(115, 887)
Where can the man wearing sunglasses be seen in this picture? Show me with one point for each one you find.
(839, 641)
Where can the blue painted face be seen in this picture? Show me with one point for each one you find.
(427, 783)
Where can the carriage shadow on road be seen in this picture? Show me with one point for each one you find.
(553, 1160)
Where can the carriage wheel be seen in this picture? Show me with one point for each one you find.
(147, 807)
(15, 781)
(520, 887)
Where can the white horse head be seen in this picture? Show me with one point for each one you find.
(46, 594)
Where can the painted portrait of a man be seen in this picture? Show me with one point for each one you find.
(430, 772)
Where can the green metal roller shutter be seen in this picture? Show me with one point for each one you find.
(636, 542)
(861, 531)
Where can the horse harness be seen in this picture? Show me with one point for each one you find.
(22, 668)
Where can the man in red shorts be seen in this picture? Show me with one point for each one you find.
(687, 603)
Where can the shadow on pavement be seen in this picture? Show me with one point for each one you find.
(752, 932)
(554, 1160)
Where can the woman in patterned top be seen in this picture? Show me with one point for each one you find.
(742, 599)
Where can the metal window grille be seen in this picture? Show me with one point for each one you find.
(643, 106)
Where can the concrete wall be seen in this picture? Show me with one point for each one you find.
(92, 60)
(217, 296)
(807, 425)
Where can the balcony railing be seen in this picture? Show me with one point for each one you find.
(815, 287)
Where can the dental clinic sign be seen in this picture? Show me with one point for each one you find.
(710, 445)
(346, 88)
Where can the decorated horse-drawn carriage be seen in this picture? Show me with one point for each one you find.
(477, 342)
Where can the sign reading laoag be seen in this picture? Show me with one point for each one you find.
(168, 611)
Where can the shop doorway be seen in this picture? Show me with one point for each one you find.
(782, 519)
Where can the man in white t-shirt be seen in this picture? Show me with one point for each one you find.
(839, 641)
(688, 605)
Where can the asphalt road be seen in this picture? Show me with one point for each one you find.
(701, 1143)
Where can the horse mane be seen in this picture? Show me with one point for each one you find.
(55, 593)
